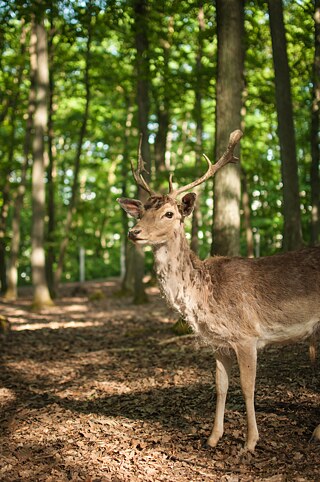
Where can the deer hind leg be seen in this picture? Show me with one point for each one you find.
(223, 368)
(247, 360)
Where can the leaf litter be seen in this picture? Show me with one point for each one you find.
(96, 389)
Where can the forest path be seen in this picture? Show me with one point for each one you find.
(96, 389)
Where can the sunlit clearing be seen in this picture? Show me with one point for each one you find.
(6, 396)
(56, 325)
(76, 307)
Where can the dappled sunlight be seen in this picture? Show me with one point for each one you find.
(7, 396)
(97, 391)
(111, 379)
(75, 308)
(71, 312)
(55, 325)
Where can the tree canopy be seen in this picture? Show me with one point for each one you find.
(93, 76)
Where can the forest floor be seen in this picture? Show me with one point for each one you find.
(96, 389)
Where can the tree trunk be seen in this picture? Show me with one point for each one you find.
(127, 285)
(160, 144)
(41, 295)
(230, 28)
(75, 184)
(162, 97)
(315, 125)
(196, 215)
(3, 224)
(12, 272)
(292, 234)
(142, 72)
(247, 215)
(51, 252)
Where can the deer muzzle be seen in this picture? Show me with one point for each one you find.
(133, 234)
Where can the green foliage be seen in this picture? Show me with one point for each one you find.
(181, 328)
(112, 136)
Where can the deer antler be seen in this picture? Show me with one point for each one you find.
(227, 157)
(138, 173)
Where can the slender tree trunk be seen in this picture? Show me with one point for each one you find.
(127, 285)
(185, 134)
(51, 252)
(161, 94)
(143, 77)
(181, 327)
(247, 215)
(5, 207)
(160, 144)
(196, 220)
(292, 235)
(12, 272)
(3, 224)
(77, 162)
(143, 83)
(315, 128)
(41, 295)
(230, 29)
(196, 215)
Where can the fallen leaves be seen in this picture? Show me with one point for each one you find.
(102, 391)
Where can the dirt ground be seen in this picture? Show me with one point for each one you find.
(96, 389)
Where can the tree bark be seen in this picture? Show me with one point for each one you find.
(196, 215)
(162, 98)
(292, 234)
(127, 285)
(247, 215)
(315, 128)
(143, 83)
(12, 271)
(77, 162)
(3, 225)
(229, 87)
(41, 296)
(51, 251)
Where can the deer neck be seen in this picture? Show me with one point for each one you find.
(176, 267)
(173, 254)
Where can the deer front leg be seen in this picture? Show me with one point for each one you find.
(316, 434)
(223, 368)
(247, 360)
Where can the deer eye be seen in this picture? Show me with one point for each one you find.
(169, 214)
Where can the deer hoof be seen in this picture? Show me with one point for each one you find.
(250, 446)
(316, 435)
(212, 441)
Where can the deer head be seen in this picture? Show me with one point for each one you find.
(162, 215)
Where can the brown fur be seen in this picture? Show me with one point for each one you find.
(156, 202)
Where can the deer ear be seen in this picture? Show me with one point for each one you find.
(134, 207)
(187, 203)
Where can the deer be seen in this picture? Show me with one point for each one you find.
(235, 305)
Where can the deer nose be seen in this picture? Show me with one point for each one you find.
(133, 233)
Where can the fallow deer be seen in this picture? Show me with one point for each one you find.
(234, 304)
